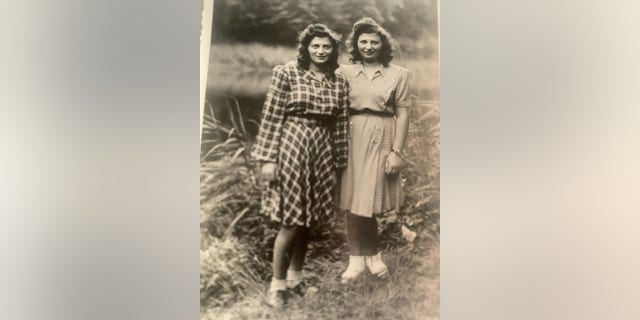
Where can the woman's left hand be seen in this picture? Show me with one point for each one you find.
(394, 164)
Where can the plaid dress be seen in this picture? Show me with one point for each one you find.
(304, 131)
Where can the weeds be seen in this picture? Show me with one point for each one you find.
(227, 270)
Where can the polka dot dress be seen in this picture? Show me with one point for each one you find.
(365, 188)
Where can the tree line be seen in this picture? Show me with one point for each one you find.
(412, 22)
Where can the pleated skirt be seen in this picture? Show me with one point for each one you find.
(365, 188)
(303, 193)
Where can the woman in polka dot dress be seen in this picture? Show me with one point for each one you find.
(378, 125)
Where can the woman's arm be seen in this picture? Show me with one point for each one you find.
(402, 128)
(340, 133)
(267, 142)
(394, 161)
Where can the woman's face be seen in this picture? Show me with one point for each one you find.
(369, 46)
(319, 50)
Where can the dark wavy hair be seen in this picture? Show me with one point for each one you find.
(320, 31)
(368, 25)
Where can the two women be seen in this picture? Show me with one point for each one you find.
(304, 147)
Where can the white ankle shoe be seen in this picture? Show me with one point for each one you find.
(356, 268)
(376, 266)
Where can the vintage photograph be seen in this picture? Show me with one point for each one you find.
(320, 160)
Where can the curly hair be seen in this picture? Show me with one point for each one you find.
(368, 25)
(320, 31)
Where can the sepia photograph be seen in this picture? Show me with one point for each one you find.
(320, 159)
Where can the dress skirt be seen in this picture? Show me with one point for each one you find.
(365, 188)
(303, 193)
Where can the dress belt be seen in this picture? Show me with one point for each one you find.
(312, 120)
(371, 112)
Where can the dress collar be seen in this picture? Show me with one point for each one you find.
(308, 76)
(379, 70)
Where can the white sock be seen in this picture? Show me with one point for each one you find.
(293, 278)
(376, 259)
(356, 265)
(278, 284)
(356, 261)
(376, 265)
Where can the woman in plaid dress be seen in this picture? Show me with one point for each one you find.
(301, 144)
(379, 121)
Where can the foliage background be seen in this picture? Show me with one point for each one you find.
(249, 38)
(413, 22)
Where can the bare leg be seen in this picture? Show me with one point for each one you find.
(282, 250)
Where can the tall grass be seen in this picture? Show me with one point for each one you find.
(232, 233)
(228, 269)
(237, 242)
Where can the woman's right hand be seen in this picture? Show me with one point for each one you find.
(269, 171)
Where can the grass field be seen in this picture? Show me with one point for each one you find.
(236, 241)
(242, 69)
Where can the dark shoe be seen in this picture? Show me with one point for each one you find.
(300, 289)
(276, 299)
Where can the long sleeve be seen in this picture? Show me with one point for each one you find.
(340, 134)
(273, 114)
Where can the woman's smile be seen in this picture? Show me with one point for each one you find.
(369, 46)
(319, 50)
